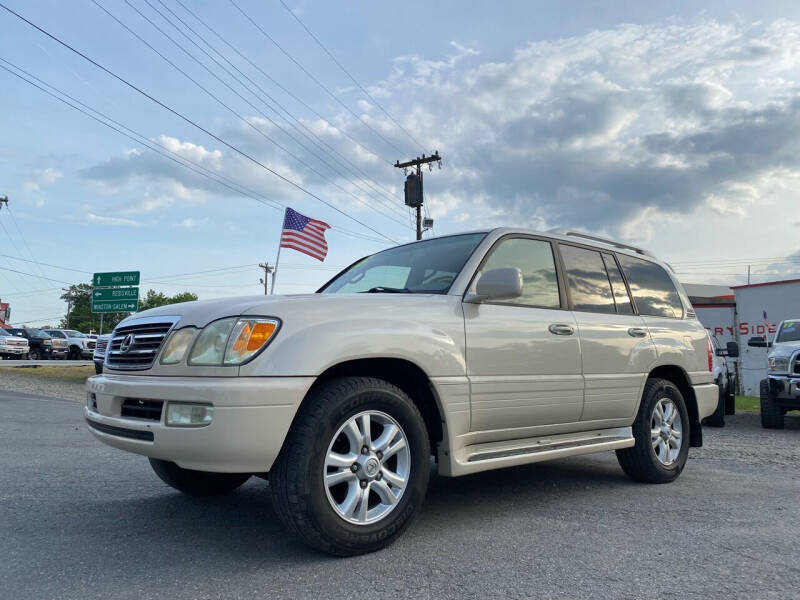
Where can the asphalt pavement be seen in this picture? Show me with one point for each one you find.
(81, 520)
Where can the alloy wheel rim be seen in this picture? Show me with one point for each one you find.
(367, 467)
(666, 431)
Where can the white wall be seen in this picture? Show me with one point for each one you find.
(719, 321)
(780, 301)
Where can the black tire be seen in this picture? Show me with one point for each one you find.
(640, 461)
(35, 354)
(98, 368)
(74, 353)
(717, 418)
(730, 401)
(197, 483)
(772, 414)
(296, 481)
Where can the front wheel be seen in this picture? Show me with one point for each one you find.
(717, 418)
(197, 483)
(354, 468)
(35, 354)
(661, 430)
(772, 414)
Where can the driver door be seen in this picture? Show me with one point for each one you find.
(523, 355)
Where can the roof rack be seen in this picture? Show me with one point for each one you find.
(594, 238)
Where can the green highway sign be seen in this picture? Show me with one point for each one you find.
(114, 306)
(115, 294)
(115, 279)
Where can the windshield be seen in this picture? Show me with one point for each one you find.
(790, 332)
(427, 267)
(73, 333)
(4, 332)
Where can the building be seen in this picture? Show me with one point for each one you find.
(5, 315)
(759, 309)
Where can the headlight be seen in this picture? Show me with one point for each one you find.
(177, 345)
(248, 338)
(232, 341)
(778, 363)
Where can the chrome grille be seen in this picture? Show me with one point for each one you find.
(144, 338)
(100, 348)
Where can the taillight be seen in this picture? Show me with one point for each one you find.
(710, 357)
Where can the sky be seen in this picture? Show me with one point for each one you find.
(673, 126)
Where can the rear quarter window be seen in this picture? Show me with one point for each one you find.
(652, 288)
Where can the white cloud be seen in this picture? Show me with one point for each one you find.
(105, 220)
(41, 178)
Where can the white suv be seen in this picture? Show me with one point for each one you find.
(485, 350)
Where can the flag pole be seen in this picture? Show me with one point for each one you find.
(278, 258)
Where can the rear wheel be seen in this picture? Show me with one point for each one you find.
(74, 353)
(661, 430)
(35, 354)
(197, 483)
(354, 469)
(772, 414)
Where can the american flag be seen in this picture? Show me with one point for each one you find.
(304, 234)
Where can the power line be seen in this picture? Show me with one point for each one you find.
(225, 105)
(43, 264)
(34, 275)
(167, 153)
(22, 237)
(289, 92)
(314, 79)
(293, 121)
(353, 79)
(191, 122)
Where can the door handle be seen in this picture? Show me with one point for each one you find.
(561, 329)
(637, 332)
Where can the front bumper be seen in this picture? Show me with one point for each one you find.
(58, 352)
(87, 353)
(16, 351)
(785, 387)
(252, 416)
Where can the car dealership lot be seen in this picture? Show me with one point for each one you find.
(80, 520)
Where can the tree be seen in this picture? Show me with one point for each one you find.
(82, 318)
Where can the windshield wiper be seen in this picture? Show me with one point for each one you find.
(387, 290)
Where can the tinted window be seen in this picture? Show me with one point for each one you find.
(790, 332)
(621, 298)
(535, 259)
(652, 289)
(588, 282)
(427, 267)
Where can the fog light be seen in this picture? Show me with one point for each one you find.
(187, 415)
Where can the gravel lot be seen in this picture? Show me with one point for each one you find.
(81, 520)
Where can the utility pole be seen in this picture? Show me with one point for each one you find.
(69, 303)
(267, 270)
(413, 185)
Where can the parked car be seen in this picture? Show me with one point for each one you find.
(78, 344)
(780, 391)
(100, 353)
(12, 347)
(40, 343)
(725, 378)
(486, 349)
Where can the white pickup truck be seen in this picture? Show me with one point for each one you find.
(780, 391)
(13, 347)
(483, 350)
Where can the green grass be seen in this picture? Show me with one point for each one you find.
(73, 373)
(748, 403)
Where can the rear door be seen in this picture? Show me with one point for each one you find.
(616, 348)
(523, 355)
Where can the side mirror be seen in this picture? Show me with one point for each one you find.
(732, 349)
(497, 284)
(757, 342)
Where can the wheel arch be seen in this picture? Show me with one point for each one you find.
(406, 375)
(677, 376)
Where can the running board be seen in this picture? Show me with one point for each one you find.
(495, 455)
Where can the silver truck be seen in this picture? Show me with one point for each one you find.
(483, 350)
(13, 347)
(780, 391)
(79, 345)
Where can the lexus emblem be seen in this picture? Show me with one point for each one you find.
(127, 343)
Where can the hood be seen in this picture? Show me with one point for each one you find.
(202, 312)
(784, 349)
